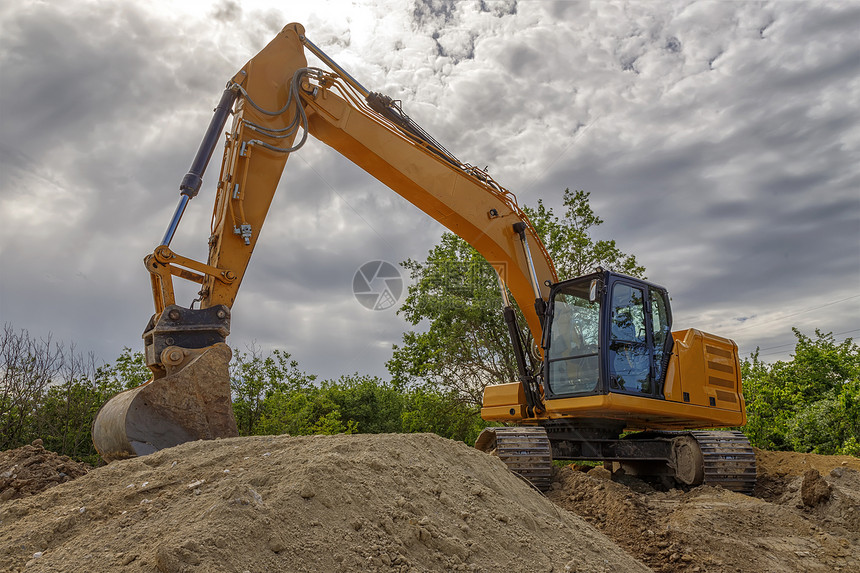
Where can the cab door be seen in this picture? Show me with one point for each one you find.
(637, 336)
(630, 343)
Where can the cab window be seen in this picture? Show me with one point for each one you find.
(661, 323)
(573, 363)
(629, 360)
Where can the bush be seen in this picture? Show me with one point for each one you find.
(52, 392)
(810, 403)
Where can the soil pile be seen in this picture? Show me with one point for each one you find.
(776, 470)
(31, 469)
(410, 503)
(805, 517)
(392, 503)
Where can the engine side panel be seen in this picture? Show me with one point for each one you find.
(705, 371)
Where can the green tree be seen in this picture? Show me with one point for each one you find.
(301, 412)
(65, 415)
(444, 414)
(366, 404)
(129, 370)
(810, 403)
(28, 366)
(466, 344)
(53, 393)
(350, 404)
(254, 378)
(570, 244)
(371, 404)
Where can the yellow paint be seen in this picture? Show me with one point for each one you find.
(458, 196)
(702, 365)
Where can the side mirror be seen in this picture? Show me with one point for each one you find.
(594, 290)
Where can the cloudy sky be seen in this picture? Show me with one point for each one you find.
(720, 142)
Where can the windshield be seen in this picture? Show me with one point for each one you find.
(572, 356)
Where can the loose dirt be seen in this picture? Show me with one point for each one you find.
(805, 517)
(392, 503)
(29, 470)
(412, 503)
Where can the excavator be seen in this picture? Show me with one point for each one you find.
(601, 374)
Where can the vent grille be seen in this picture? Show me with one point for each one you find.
(727, 396)
(714, 381)
(721, 367)
(718, 351)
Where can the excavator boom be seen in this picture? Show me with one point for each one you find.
(274, 99)
(370, 130)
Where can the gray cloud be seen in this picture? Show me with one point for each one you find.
(227, 11)
(720, 141)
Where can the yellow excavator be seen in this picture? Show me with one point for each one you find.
(603, 360)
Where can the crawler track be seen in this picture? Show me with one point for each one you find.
(729, 460)
(525, 450)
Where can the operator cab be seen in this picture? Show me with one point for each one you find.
(607, 333)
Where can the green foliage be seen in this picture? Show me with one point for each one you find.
(129, 370)
(349, 405)
(65, 416)
(372, 405)
(444, 414)
(301, 413)
(27, 367)
(365, 404)
(466, 345)
(568, 239)
(284, 400)
(810, 403)
(52, 392)
(61, 392)
(253, 379)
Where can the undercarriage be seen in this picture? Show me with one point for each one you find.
(722, 458)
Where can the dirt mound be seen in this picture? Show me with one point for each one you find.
(392, 503)
(811, 524)
(796, 463)
(399, 503)
(31, 469)
(776, 470)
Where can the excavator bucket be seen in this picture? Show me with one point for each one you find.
(190, 404)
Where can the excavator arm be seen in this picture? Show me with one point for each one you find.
(278, 98)
(462, 198)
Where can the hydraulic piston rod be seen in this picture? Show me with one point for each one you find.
(314, 49)
(194, 178)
